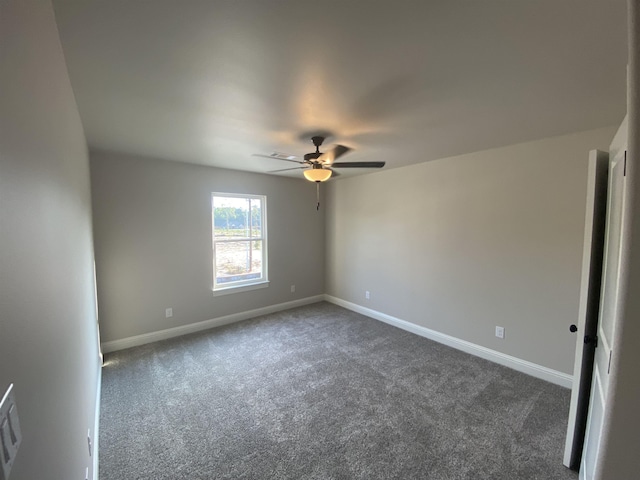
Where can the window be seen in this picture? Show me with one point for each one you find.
(239, 242)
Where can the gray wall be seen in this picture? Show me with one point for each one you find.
(152, 224)
(463, 244)
(48, 330)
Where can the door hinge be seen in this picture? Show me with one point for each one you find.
(609, 367)
(624, 168)
(588, 339)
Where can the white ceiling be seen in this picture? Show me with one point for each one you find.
(212, 82)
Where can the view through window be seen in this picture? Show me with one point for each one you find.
(239, 240)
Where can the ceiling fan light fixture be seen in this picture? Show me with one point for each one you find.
(317, 174)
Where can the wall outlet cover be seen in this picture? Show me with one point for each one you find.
(500, 332)
(168, 312)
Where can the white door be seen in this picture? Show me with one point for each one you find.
(608, 309)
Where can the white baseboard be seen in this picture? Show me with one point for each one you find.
(204, 325)
(96, 424)
(515, 363)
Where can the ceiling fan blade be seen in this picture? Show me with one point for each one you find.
(358, 165)
(336, 152)
(278, 158)
(287, 169)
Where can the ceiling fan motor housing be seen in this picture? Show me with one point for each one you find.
(311, 156)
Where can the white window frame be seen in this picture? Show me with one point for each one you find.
(253, 283)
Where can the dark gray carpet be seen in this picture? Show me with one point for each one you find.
(320, 392)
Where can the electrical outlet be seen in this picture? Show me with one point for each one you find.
(293, 288)
(500, 332)
(168, 312)
(367, 295)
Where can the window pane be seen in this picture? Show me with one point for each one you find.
(236, 261)
(256, 217)
(231, 217)
(238, 242)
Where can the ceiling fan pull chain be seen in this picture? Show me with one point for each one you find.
(318, 195)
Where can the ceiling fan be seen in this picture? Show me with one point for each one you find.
(319, 167)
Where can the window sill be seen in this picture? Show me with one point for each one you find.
(240, 288)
